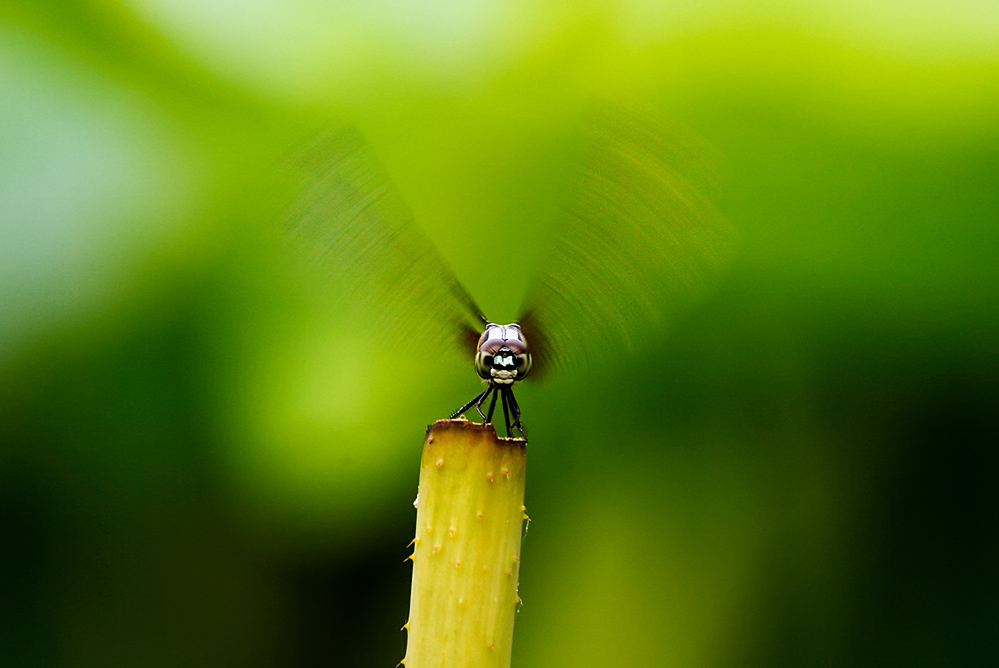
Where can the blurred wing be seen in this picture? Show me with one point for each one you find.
(355, 239)
(638, 241)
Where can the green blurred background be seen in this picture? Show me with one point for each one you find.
(199, 468)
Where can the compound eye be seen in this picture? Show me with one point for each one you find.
(487, 360)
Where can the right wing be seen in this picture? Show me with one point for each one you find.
(355, 239)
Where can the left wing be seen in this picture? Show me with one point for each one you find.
(637, 243)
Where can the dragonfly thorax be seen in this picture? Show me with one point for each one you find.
(502, 356)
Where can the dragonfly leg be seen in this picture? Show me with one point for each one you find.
(482, 398)
(506, 410)
(492, 407)
(516, 413)
(476, 401)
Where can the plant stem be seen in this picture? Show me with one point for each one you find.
(466, 557)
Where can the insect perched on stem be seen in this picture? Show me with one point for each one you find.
(636, 242)
(502, 359)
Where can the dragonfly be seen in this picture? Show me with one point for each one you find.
(636, 242)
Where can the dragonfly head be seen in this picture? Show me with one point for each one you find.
(502, 356)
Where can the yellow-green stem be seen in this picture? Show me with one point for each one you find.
(466, 557)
